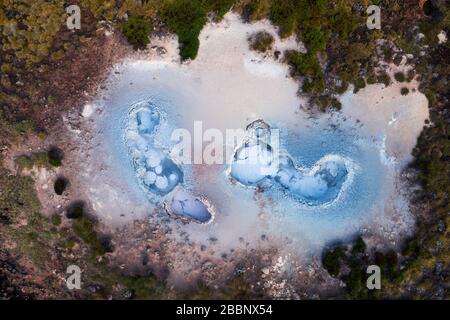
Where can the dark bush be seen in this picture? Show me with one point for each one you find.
(261, 41)
(219, 7)
(404, 91)
(360, 83)
(331, 260)
(314, 40)
(137, 31)
(186, 18)
(302, 64)
(384, 78)
(388, 264)
(412, 247)
(359, 246)
(283, 15)
(106, 243)
(400, 76)
(336, 104)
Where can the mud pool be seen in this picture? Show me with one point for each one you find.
(330, 178)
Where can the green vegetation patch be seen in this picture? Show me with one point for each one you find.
(137, 30)
(261, 41)
(84, 228)
(308, 66)
(331, 260)
(284, 15)
(38, 159)
(404, 91)
(400, 76)
(186, 18)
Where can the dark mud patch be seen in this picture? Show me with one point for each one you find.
(61, 185)
(76, 209)
(106, 242)
(55, 156)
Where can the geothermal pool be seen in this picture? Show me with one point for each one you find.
(321, 179)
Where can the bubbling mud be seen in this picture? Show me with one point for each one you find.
(156, 172)
(328, 178)
(257, 160)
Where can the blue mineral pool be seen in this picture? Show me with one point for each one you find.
(322, 182)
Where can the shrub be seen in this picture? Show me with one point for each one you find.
(84, 228)
(302, 64)
(384, 78)
(343, 22)
(261, 41)
(324, 102)
(186, 18)
(283, 15)
(359, 246)
(137, 31)
(314, 40)
(331, 260)
(315, 85)
(219, 7)
(404, 91)
(412, 247)
(252, 10)
(342, 88)
(355, 280)
(388, 262)
(399, 76)
(410, 75)
(336, 104)
(398, 59)
(360, 83)
(55, 156)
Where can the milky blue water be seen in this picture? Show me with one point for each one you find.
(257, 160)
(326, 183)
